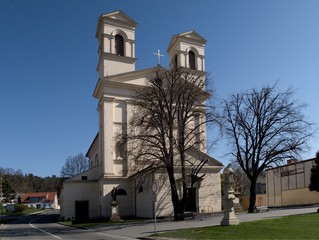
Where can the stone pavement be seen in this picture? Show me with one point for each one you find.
(144, 229)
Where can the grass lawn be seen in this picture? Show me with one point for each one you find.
(292, 227)
(26, 211)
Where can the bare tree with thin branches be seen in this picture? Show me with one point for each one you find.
(265, 128)
(74, 165)
(169, 120)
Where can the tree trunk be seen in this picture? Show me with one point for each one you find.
(177, 204)
(252, 197)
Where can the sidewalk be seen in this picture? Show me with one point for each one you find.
(142, 230)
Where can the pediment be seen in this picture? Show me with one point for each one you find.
(120, 17)
(194, 36)
(190, 37)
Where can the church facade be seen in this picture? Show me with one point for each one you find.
(88, 195)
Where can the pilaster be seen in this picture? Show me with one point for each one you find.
(106, 135)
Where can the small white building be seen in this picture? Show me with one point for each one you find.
(88, 195)
(40, 200)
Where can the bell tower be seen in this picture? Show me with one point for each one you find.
(187, 50)
(116, 36)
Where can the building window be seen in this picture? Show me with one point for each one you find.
(191, 59)
(121, 191)
(175, 61)
(84, 178)
(119, 45)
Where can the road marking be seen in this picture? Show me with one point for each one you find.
(30, 224)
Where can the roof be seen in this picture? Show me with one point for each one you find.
(120, 16)
(194, 152)
(191, 34)
(91, 146)
(290, 164)
(122, 78)
(187, 36)
(117, 17)
(201, 155)
(49, 196)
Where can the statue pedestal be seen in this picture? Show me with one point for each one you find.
(229, 214)
(115, 216)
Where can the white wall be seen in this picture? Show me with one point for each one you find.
(79, 191)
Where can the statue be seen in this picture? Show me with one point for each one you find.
(113, 194)
(229, 177)
(229, 197)
(115, 216)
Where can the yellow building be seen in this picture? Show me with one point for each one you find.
(288, 185)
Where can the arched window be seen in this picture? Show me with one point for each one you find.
(191, 60)
(121, 191)
(119, 45)
(175, 61)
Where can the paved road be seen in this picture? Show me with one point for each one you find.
(141, 230)
(43, 226)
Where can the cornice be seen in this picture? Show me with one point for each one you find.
(128, 23)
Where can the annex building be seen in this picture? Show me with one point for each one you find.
(288, 185)
(88, 195)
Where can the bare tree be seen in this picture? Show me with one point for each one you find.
(240, 178)
(169, 121)
(74, 165)
(265, 128)
(314, 177)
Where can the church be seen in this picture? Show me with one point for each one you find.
(88, 195)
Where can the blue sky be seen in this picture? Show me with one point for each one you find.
(48, 57)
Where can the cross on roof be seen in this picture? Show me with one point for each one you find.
(159, 55)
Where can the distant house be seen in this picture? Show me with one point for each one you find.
(288, 185)
(40, 200)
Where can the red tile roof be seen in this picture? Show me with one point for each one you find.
(49, 196)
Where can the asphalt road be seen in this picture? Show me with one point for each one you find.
(43, 226)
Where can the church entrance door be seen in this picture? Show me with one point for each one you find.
(191, 205)
(81, 211)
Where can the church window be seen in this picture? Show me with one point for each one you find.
(191, 59)
(121, 191)
(119, 45)
(175, 61)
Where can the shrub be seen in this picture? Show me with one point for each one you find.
(19, 208)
